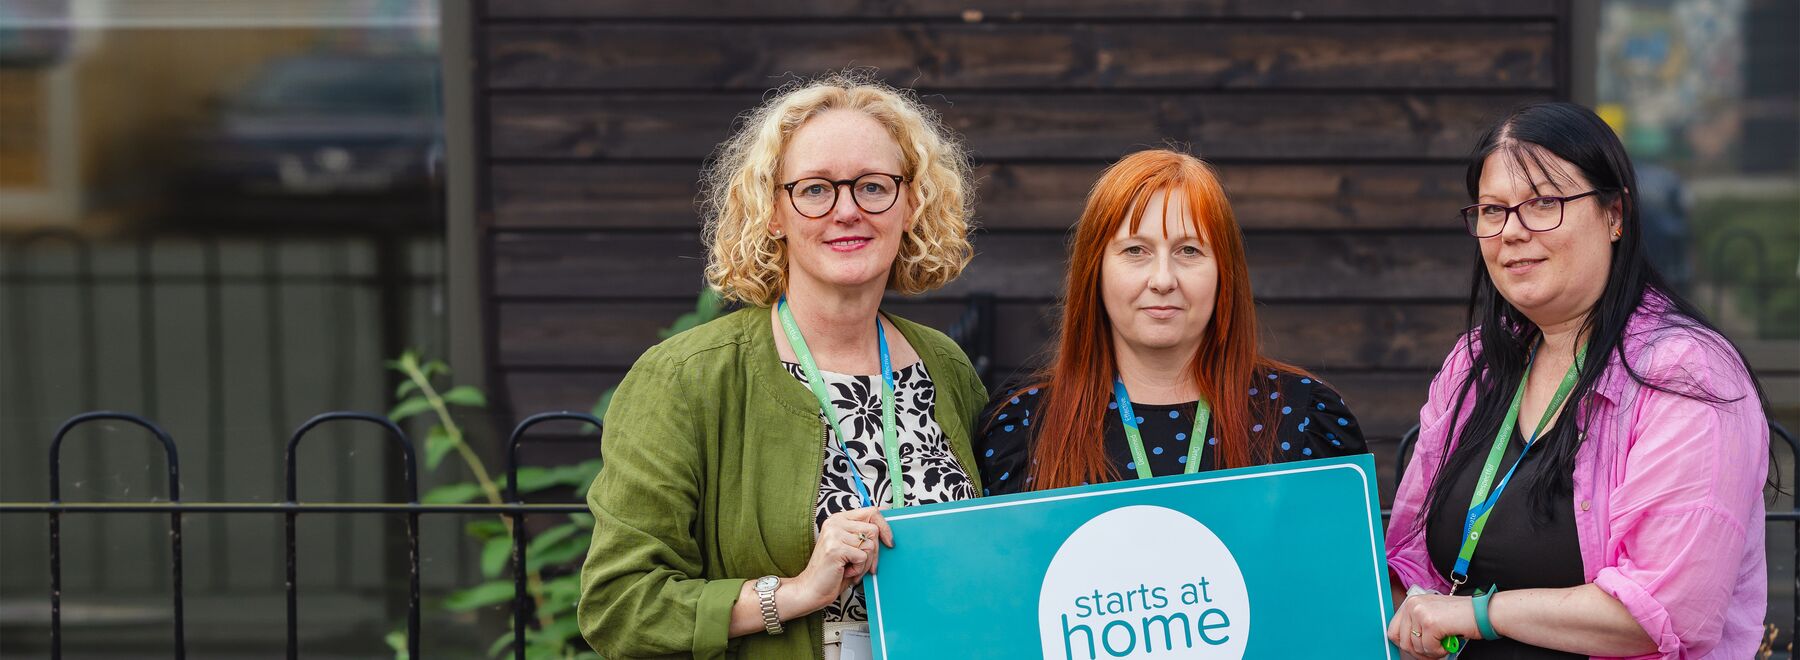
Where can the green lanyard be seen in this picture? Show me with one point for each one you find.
(1196, 443)
(890, 443)
(1482, 503)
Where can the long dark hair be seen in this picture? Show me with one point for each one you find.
(1501, 338)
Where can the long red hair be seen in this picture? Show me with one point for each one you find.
(1068, 448)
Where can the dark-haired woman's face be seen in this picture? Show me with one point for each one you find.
(1551, 276)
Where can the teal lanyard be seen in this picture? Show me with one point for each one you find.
(1482, 503)
(1196, 441)
(890, 443)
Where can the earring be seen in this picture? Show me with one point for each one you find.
(1617, 232)
(778, 235)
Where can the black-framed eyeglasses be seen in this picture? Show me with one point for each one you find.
(1536, 214)
(814, 197)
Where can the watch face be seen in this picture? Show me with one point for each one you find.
(767, 583)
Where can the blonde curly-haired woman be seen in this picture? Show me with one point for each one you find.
(747, 460)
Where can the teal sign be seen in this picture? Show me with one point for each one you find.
(1278, 561)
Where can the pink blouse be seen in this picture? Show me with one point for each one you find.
(1668, 490)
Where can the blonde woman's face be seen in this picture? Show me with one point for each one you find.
(848, 247)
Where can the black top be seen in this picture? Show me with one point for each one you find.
(1311, 422)
(1519, 549)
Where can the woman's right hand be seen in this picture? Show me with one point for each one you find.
(847, 548)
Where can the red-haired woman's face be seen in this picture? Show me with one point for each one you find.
(1159, 284)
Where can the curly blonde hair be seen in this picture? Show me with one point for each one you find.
(740, 191)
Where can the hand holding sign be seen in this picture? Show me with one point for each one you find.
(847, 548)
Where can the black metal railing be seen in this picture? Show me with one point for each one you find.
(291, 509)
(513, 508)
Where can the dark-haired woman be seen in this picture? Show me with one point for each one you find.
(1157, 371)
(1589, 473)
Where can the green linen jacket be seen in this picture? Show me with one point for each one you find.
(713, 455)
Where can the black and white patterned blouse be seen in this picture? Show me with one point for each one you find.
(932, 473)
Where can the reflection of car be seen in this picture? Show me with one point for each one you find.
(322, 125)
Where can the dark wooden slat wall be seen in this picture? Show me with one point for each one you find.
(1338, 126)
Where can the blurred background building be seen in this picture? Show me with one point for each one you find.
(227, 214)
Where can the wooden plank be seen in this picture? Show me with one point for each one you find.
(1395, 267)
(598, 264)
(612, 335)
(1012, 196)
(999, 126)
(1028, 196)
(532, 392)
(1017, 10)
(926, 56)
(596, 196)
(1385, 404)
(592, 335)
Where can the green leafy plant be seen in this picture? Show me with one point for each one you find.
(556, 634)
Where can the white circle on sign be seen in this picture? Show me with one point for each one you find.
(1143, 582)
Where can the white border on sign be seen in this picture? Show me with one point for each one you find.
(1374, 543)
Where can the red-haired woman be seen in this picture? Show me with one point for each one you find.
(1157, 371)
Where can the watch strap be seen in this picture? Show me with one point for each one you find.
(766, 597)
(1480, 602)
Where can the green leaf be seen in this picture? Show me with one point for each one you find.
(569, 584)
(466, 395)
(584, 520)
(561, 631)
(557, 601)
(457, 493)
(580, 475)
(500, 645)
(435, 367)
(557, 554)
(495, 553)
(533, 479)
(396, 640)
(479, 596)
(485, 529)
(437, 445)
(406, 362)
(549, 537)
(408, 408)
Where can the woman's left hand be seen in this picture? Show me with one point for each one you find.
(1425, 620)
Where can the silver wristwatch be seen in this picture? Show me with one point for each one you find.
(765, 592)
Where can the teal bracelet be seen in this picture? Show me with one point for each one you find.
(1481, 613)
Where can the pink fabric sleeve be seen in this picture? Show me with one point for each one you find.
(1692, 484)
(1406, 552)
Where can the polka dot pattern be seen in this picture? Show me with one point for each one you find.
(1300, 418)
